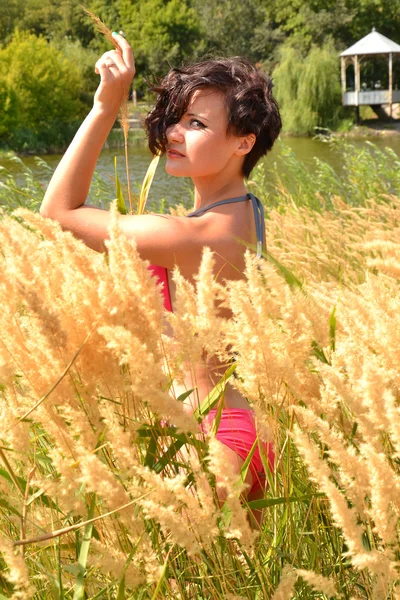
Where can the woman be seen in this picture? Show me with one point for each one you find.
(213, 120)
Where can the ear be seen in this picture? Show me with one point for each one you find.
(246, 144)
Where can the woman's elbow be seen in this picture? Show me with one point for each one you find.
(49, 213)
(43, 211)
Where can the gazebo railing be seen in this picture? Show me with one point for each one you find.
(370, 97)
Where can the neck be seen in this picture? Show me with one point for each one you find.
(210, 190)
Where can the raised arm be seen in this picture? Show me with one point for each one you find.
(69, 187)
(162, 239)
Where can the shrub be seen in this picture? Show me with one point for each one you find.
(42, 90)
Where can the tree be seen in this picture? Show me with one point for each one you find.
(308, 90)
(45, 90)
(53, 19)
(229, 27)
(163, 33)
(308, 22)
(9, 14)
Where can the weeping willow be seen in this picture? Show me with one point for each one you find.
(308, 90)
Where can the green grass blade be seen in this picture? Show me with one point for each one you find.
(59, 569)
(146, 185)
(151, 451)
(168, 456)
(266, 502)
(22, 483)
(121, 589)
(185, 395)
(290, 278)
(245, 466)
(162, 577)
(83, 554)
(118, 191)
(332, 329)
(319, 353)
(211, 400)
(9, 507)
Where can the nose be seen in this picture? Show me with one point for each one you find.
(174, 134)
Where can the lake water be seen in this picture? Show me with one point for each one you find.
(174, 190)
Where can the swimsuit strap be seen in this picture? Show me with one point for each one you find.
(258, 216)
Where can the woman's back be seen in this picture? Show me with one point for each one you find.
(227, 229)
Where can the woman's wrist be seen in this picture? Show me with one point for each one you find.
(105, 111)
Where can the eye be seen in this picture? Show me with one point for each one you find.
(197, 124)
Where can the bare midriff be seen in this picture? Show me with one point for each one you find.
(202, 378)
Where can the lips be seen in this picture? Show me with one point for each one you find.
(172, 153)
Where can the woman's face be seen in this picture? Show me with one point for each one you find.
(198, 146)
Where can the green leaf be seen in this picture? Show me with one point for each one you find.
(217, 418)
(121, 589)
(146, 185)
(245, 466)
(120, 198)
(9, 507)
(289, 277)
(266, 502)
(319, 353)
(45, 499)
(185, 395)
(211, 400)
(181, 440)
(151, 451)
(168, 456)
(162, 577)
(226, 514)
(83, 554)
(332, 329)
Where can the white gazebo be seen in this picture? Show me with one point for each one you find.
(373, 44)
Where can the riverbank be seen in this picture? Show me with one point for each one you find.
(372, 128)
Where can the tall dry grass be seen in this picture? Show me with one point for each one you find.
(100, 496)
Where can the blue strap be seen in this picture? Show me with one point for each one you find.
(258, 216)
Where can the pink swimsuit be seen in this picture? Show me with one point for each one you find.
(237, 428)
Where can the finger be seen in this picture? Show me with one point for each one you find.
(112, 60)
(127, 53)
(103, 70)
(112, 57)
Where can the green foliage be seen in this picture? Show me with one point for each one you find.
(238, 28)
(9, 105)
(22, 186)
(54, 19)
(367, 172)
(230, 26)
(10, 14)
(41, 89)
(84, 60)
(163, 33)
(307, 23)
(308, 90)
(314, 22)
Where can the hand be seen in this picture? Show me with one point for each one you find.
(116, 69)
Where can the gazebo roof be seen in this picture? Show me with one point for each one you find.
(373, 43)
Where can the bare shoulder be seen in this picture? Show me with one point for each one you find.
(168, 240)
(165, 240)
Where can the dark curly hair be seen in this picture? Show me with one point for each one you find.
(251, 108)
